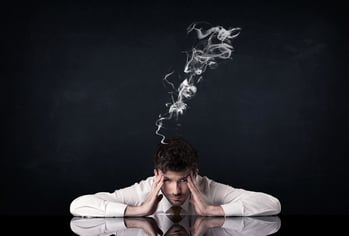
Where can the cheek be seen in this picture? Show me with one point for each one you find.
(165, 188)
(184, 188)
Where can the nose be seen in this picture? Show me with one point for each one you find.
(177, 189)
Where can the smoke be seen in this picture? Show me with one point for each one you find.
(214, 43)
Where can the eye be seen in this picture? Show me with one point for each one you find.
(184, 180)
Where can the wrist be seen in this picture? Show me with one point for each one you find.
(134, 211)
(215, 211)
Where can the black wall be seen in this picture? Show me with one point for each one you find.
(82, 88)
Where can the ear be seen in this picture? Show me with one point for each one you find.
(196, 172)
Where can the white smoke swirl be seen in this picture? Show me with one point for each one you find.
(213, 43)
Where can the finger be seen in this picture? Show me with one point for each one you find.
(193, 178)
(159, 183)
(192, 187)
(192, 201)
(194, 182)
(158, 178)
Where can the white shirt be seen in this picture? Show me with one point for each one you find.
(234, 201)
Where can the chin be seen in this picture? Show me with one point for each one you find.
(177, 202)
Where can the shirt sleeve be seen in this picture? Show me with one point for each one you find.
(105, 204)
(241, 202)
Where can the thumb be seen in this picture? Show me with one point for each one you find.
(192, 201)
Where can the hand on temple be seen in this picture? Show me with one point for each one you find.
(151, 202)
(199, 203)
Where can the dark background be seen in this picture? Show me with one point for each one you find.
(82, 88)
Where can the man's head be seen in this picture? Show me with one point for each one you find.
(176, 155)
(176, 160)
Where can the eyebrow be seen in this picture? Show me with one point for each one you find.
(184, 177)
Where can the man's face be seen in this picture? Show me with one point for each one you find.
(175, 187)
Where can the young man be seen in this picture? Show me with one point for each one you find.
(176, 182)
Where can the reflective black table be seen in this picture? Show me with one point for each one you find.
(162, 225)
(188, 225)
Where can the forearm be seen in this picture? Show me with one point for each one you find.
(254, 204)
(105, 204)
(134, 211)
(95, 206)
(215, 211)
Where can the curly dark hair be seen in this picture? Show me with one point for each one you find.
(176, 155)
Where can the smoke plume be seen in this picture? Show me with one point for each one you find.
(214, 43)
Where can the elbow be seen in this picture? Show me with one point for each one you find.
(75, 205)
(87, 206)
(277, 206)
(272, 206)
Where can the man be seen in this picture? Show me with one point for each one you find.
(176, 184)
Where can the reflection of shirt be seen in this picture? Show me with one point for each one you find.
(234, 201)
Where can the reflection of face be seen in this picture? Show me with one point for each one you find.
(177, 230)
(175, 186)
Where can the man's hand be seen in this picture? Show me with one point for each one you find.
(151, 202)
(200, 205)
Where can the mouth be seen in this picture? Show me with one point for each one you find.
(176, 199)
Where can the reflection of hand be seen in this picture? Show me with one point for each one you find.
(203, 224)
(147, 224)
(199, 203)
(151, 202)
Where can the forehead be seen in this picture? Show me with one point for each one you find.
(176, 175)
